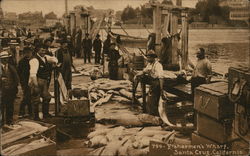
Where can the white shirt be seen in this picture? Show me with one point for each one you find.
(155, 69)
(34, 63)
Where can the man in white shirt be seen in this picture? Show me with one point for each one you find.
(152, 75)
(202, 72)
(39, 77)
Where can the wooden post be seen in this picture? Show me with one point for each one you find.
(72, 23)
(184, 40)
(166, 24)
(174, 30)
(157, 27)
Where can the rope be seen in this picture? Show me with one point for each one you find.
(237, 98)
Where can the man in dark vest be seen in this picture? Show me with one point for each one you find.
(87, 48)
(97, 45)
(39, 77)
(23, 69)
(9, 82)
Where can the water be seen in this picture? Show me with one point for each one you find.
(225, 47)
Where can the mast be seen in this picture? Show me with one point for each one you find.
(66, 7)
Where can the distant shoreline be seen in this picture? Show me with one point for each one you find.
(190, 28)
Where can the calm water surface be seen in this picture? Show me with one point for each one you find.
(225, 47)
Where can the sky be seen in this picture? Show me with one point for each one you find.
(58, 6)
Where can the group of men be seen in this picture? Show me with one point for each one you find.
(33, 72)
(84, 47)
(152, 75)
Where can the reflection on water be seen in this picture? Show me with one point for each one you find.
(225, 47)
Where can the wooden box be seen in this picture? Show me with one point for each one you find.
(76, 108)
(218, 131)
(14, 135)
(241, 127)
(235, 73)
(212, 100)
(48, 149)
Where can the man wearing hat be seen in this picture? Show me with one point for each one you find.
(113, 57)
(24, 72)
(87, 48)
(106, 45)
(152, 75)
(38, 81)
(202, 72)
(13, 52)
(65, 59)
(97, 45)
(9, 83)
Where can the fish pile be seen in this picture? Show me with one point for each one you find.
(89, 70)
(129, 141)
(103, 90)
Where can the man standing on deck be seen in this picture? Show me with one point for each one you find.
(202, 72)
(87, 48)
(24, 72)
(113, 57)
(97, 45)
(8, 82)
(65, 59)
(38, 81)
(152, 75)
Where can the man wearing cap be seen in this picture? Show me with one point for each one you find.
(13, 52)
(66, 62)
(38, 80)
(9, 83)
(113, 57)
(87, 48)
(24, 72)
(202, 72)
(97, 45)
(152, 75)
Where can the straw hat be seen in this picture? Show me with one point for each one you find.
(4, 54)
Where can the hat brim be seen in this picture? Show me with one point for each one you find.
(2, 57)
(152, 55)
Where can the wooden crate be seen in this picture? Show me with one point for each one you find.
(235, 73)
(76, 108)
(241, 129)
(218, 131)
(212, 100)
(48, 150)
(14, 135)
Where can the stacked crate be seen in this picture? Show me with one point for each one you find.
(214, 114)
(239, 91)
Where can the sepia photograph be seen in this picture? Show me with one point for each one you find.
(125, 77)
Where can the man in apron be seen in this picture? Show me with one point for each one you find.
(151, 75)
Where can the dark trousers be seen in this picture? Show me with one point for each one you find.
(195, 82)
(150, 105)
(87, 55)
(97, 56)
(26, 101)
(7, 106)
(113, 71)
(41, 91)
(67, 77)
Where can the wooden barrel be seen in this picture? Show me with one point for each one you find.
(138, 62)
